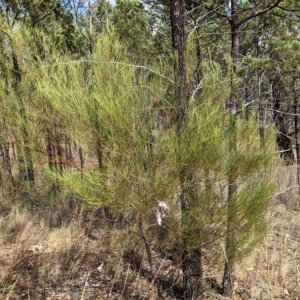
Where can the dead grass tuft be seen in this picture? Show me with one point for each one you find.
(86, 257)
(272, 271)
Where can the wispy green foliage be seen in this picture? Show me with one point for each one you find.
(98, 100)
(123, 117)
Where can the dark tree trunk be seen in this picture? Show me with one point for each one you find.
(230, 248)
(296, 126)
(50, 152)
(230, 251)
(81, 158)
(24, 156)
(235, 43)
(283, 140)
(191, 259)
(7, 162)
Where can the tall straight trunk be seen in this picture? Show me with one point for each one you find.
(296, 126)
(6, 155)
(90, 27)
(81, 158)
(283, 140)
(24, 153)
(56, 150)
(230, 247)
(191, 259)
(60, 152)
(50, 151)
(7, 162)
(234, 53)
(99, 147)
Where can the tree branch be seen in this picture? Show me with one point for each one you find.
(283, 17)
(286, 9)
(44, 16)
(268, 8)
(215, 10)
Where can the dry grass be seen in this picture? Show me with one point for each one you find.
(272, 271)
(84, 260)
(38, 262)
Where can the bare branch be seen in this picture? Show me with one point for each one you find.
(268, 8)
(284, 113)
(287, 9)
(283, 17)
(114, 62)
(287, 189)
(215, 10)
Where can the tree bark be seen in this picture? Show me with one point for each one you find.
(24, 156)
(230, 248)
(191, 259)
(296, 126)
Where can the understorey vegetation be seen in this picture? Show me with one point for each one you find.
(139, 155)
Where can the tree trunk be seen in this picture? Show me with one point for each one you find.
(279, 119)
(230, 248)
(24, 156)
(296, 126)
(235, 41)
(191, 259)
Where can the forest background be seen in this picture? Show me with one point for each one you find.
(116, 114)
